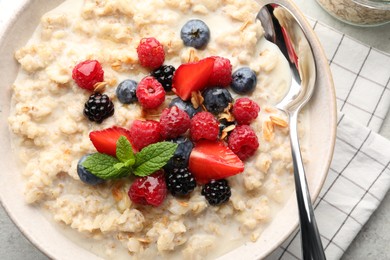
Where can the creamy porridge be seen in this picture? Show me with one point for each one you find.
(52, 134)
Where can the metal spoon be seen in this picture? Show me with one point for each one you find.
(287, 33)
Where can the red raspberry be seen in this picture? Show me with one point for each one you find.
(143, 133)
(174, 122)
(245, 111)
(150, 53)
(204, 126)
(87, 74)
(149, 190)
(243, 141)
(221, 75)
(150, 93)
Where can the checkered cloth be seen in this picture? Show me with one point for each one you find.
(359, 176)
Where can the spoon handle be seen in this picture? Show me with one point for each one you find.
(312, 248)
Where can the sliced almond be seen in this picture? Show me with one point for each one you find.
(183, 203)
(270, 110)
(278, 121)
(192, 56)
(144, 240)
(226, 131)
(245, 25)
(196, 99)
(100, 87)
(268, 130)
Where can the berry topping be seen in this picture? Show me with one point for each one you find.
(181, 155)
(150, 53)
(244, 80)
(164, 75)
(149, 190)
(243, 141)
(150, 93)
(143, 133)
(180, 182)
(98, 107)
(87, 74)
(222, 73)
(126, 91)
(191, 77)
(245, 111)
(85, 175)
(216, 99)
(213, 161)
(216, 192)
(174, 122)
(186, 106)
(204, 126)
(105, 140)
(195, 33)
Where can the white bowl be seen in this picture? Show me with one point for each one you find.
(46, 236)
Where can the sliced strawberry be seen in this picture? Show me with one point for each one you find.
(105, 140)
(213, 161)
(191, 77)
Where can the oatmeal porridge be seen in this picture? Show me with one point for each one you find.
(53, 130)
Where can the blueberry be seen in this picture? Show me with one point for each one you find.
(195, 33)
(185, 106)
(126, 91)
(85, 175)
(244, 80)
(216, 99)
(180, 158)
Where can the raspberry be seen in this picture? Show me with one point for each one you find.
(180, 182)
(150, 93)
(143, 133)
(98, 107)
(222, 72)
(174, 122)
(149, 190)
(245, 111)
(150, 53)
(87, 73)
(243, 141)
(204, 126)
(216, 192)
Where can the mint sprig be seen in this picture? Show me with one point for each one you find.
(143, 163)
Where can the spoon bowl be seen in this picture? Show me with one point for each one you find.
(284, 30)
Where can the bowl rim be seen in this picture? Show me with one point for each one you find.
(21, 5)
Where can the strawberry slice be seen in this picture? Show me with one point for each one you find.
(213, 160)
(105, 140)
(191, 77)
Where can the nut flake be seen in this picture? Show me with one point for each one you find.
(100, 87)
(226, 131)
(197, 99)
(268, 130)
(278, 121)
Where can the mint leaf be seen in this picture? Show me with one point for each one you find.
(153, 158)
(105, 166)
(124, 151)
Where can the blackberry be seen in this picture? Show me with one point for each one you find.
(185, 106)
(181, 155)
(216, 99)
(164, 75)
(216, 192)
(180, 182)
(98, 107)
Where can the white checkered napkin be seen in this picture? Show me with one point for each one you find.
(359, 176)
(361, 75)
(358, 180)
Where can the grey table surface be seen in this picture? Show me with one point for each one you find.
(372, 241)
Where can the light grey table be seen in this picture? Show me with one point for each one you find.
(372, 241)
